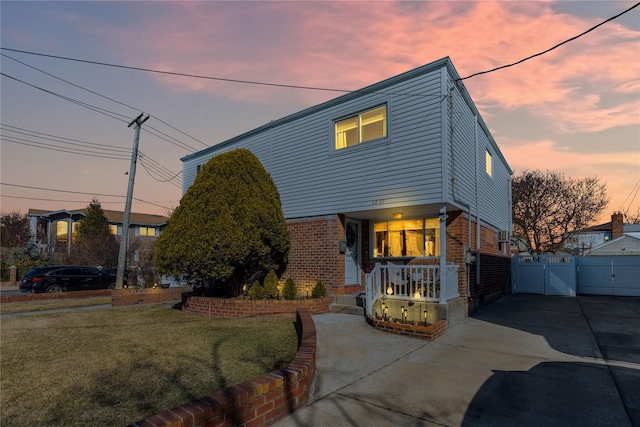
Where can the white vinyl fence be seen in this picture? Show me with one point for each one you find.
(571, 275)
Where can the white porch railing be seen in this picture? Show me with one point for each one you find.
(411, 283)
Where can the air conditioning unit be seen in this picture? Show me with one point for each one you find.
(503, 236)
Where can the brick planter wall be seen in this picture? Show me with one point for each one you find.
(54, 295)
(120, 297)
(258, 402)
(237, 308)
(429, 332)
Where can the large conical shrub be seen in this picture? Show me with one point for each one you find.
(229, 229)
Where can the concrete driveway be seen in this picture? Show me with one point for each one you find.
(525, 360)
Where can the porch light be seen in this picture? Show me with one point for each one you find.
(397, 215)
(389, 290)
(416, 295)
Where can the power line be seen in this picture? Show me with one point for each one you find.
(29, 143)
(78, 192)
(51, 200)
(554, 47)
(178, 143)
(74, 101)
(222, 79)
(55, 138)
(101, 95)
(119, 153)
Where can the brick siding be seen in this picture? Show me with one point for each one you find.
(314, 253)
(260, 401)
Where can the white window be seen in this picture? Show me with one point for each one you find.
(407, 238)
(488, 163)
(362, 127)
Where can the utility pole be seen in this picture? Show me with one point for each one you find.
(124, 239)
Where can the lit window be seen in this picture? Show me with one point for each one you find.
(113, 229)
(407, 238)
(488, 163)
(148, 231)
(363, 127)
(62, 231)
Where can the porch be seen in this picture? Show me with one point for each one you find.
(411, 293)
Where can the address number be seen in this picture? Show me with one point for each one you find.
(377, 202)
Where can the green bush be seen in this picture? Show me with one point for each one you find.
(319, 290)
(270, 285)
(256, 291)
(289, 291)
(229, 227)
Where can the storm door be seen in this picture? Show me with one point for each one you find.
(352, 252)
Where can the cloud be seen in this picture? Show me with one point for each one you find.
(352, 44)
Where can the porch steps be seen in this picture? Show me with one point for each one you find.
(349, 304)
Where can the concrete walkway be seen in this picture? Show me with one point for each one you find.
(525, 360)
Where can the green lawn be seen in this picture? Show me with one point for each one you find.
(115, 366)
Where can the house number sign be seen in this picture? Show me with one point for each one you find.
(377, 202)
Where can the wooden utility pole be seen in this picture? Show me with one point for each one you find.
(124, 239)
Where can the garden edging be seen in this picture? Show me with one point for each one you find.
(260, 401)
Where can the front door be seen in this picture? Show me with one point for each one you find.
(352, 252)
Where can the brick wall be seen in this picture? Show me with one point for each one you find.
(494, 265)
(258, 402)
(237, 308)
(133, 296)
(315, 255)
(54, 295)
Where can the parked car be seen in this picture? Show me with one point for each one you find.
(62, 278)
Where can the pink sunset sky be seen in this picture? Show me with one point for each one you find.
(575, 110)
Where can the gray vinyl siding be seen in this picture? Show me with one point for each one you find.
(413, 165)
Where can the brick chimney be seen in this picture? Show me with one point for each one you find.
(617, 228)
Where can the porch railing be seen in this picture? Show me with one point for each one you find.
(411, 283)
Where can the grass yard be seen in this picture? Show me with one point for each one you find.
(115, 366)
(54, 304)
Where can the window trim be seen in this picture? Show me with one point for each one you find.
(359, 115)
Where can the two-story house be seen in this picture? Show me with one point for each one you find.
(400, 177)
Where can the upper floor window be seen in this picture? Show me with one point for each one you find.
(407, 238)
(488, 163)
(362, 127)
(148, 231)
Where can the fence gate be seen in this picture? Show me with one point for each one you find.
(544, 274)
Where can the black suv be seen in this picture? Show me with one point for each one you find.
(66, 278)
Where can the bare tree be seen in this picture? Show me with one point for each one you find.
(547, 207)
(14, 229)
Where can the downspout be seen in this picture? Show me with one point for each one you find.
(453, 189)
(475, 131)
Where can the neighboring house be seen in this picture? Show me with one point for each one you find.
(402, 173)
(626, 245)
(55, 230)
(583, 241)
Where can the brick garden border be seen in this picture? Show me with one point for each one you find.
(258, 402)
(24, 297)
(133, 296)
(239, 308)
(429, 332)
